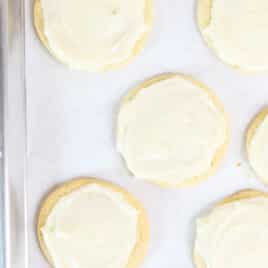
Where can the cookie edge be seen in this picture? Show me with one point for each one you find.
(250, 133)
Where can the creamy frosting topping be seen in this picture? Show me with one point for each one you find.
(90, 34)
(170, 131)
(91, 227)
(234, 235)
(238, 31)
(258, 150)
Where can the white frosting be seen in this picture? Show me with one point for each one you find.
(238, 31)
(170, 131)
(90, 34)
(258, 150)
(91, 227)
(234, 235)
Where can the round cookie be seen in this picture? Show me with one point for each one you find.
(257, 148)
(239, 196)
(63, 190)
(219, 152)
(236, 31)
(137, 48)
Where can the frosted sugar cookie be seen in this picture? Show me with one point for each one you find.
(91, 223)
(93, 35)
(234, 233)
(172, 131)
(237, 30)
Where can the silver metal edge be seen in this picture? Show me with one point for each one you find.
(4, 243)
(14, 193)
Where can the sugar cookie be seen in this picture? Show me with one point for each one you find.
(237, 30)
(93, 35)
(234, 233)
(172, 131)
(91, 223)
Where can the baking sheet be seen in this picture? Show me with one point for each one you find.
(71, 128)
